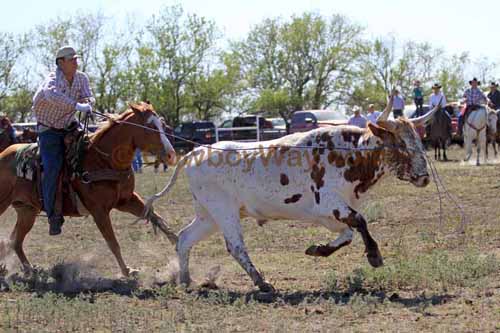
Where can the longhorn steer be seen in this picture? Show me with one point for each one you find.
(319, 176)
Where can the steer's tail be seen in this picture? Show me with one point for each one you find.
(168, 187)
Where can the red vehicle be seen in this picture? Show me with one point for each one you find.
(454, 110)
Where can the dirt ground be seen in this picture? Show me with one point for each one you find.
(433, 280)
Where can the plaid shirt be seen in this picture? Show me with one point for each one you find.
(474, 96)
(55, 100)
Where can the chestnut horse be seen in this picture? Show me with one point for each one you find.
(112, 149)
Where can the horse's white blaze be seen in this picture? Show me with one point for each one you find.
(166, 143)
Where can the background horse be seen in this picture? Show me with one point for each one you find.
(5, 139)
(475, 129)
(5, 133)
(108, 156)
(491, 136)
(27, 136)
(440, 133)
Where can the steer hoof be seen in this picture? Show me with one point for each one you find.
(313, 250)
(375, 259)
(266, 287)
(320, 250)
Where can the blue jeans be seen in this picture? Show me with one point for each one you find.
(137, 162)
(397, 113)
(52, 153)
(13, 135)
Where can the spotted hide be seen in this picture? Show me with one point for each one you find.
(321, 176)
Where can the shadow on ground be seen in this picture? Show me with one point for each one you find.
(311, 297)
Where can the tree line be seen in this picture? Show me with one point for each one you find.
(182, 63)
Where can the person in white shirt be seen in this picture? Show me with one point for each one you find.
(437, 97)
(357, 119)
(372, 115)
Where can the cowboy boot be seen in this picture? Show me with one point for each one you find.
(55, 224)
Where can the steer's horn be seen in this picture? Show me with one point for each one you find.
(422, 120)
(387, 110)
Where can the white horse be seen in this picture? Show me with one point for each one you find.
(491, 135)
(475, 128)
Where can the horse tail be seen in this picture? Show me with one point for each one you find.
(170, 184)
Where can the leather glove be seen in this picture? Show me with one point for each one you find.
(84, 108)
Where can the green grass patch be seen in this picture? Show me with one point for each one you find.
(436, 270)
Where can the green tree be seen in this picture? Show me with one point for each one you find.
(388, 65)
(306, 62)
(181, 44)
(212, 91)
(451, 75)
(11, 50)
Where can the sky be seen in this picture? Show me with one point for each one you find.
(447, 24)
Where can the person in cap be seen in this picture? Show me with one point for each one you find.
(473, 98)
(494, 96)
(357, 119)
(61, 94)
(371, 114)
(398, 104)
(437, 97)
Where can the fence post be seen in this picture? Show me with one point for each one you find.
(258, 127)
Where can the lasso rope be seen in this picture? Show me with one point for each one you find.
(441, 188)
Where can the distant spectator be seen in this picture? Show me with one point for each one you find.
(494, 96)
(418, 97)
(137, 162)
(357, 119)
(398, 104)
(372, 115)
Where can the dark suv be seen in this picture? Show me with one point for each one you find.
(303, 121)
(202, 132)
(265, 126)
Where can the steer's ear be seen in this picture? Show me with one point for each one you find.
(379, 131)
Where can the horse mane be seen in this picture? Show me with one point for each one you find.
(97, 136)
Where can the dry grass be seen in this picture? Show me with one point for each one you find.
(433, 280)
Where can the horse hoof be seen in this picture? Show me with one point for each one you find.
(266, 287)
(28, 269)
(317, 251)
(132, 273)
(209, 285)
